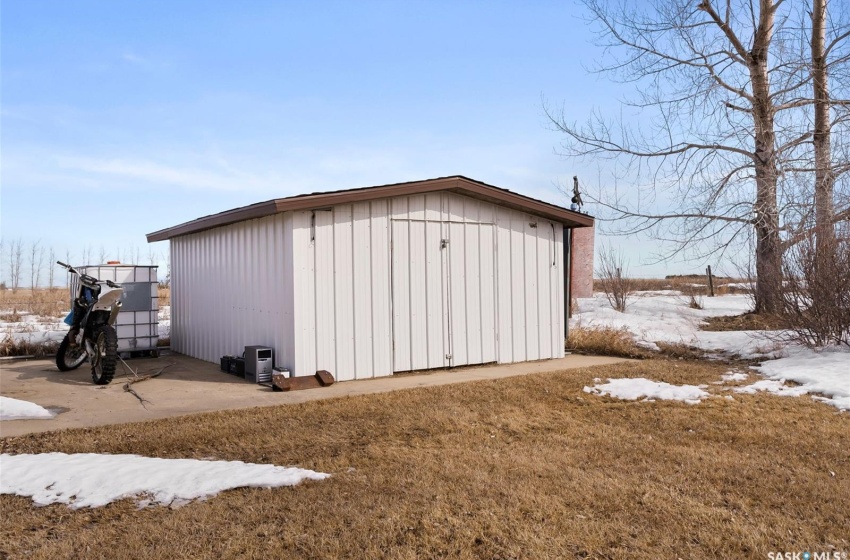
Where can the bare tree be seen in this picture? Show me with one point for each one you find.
(36, 263)
(16, 262)
(68, 261)
(725, 87)
(825, 168)
(102, 255)
(51, 267)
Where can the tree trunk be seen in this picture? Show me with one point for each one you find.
(824, 179)
(768, 294)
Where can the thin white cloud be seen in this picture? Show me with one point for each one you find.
(134, 58)
(165, 175)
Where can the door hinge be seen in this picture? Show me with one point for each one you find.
(444, 243)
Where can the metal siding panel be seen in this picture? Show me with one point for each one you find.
(210, 287)
(263, 326)
(382, 337)
(471, 209)
(362, 254)
(195, 294)
(504, 301)
(398, 208)
(445, 262)
(454, 207)
(305, 297)
(532, 348)
(434, 295)
(191, 271)
(286, 352)
(487, 255)
(324, 279)
(472, 268)
(178, 320)
(457, 294)
(418, 293)
(544, 278)
(487, 213)
(518, 226)
(401, 295)
(416, 207)
(344, 293)
(434, 206)
(558, 341)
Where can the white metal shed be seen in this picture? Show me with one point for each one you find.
(369, 282)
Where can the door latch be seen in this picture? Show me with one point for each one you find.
(444, 243)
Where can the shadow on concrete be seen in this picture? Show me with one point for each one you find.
(179, 367)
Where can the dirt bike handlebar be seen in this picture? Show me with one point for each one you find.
(86, 277)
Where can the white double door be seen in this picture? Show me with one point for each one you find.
(443, 294)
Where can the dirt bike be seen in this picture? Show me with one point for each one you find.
(92, 336)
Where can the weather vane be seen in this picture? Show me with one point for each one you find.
(576, 200)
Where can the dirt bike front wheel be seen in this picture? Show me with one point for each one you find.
(105, 358)
(69, 357)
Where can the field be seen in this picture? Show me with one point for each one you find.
(689, 284)
(515, 468)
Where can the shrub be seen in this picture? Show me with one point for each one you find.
(816, 294)
(613, 278)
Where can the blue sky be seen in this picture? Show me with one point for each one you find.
(122, 118)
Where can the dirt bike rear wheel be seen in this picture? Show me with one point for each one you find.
(69, 357)
(105, 357)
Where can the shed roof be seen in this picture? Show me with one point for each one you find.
(456, 183)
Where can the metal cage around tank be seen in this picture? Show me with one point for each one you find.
(137, 324)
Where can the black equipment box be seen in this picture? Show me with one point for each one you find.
(233, 365)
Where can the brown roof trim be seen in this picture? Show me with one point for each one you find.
(458, 184)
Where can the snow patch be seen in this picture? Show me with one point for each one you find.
(825, 371)
(734, 376)
(93, 480)
(777, 387)
(15, 409)
(633, 389)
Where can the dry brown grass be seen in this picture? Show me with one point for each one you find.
(47, 302)
(50, 302)
(608, 341)
(604, 341)
(516, 468)
(744, 322)
(11, 347)
(164, 296)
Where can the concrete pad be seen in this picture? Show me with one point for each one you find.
(188, 386)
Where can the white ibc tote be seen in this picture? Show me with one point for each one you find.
(137, 324)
